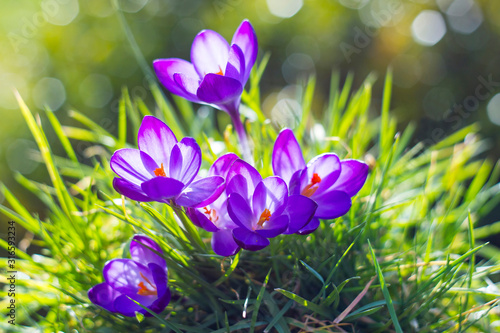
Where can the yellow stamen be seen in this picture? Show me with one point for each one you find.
(160, 172)
(144, 290)
(309, 190)
(264, 217)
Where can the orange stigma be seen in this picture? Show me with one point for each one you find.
(309, 190)
(160, 172)
(212, 214)
(144, 290)
(264, 217)
(220, 72)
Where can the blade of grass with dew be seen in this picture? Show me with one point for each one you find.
(305, 303)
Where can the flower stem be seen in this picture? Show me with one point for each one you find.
(242, 136)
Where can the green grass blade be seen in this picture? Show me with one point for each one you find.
(256, 307)
(56, 125)
(305, 303)
(62, 192)
(385, 291)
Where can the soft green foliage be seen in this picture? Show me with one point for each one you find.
(407, 257)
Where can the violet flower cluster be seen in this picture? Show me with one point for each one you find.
(233, 202)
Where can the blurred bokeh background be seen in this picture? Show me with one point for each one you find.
(74, 55)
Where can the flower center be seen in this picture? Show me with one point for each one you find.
(264, 217)
(144, 290)
(309, 190)
(160, 172)
(211, 214)
(220, 72)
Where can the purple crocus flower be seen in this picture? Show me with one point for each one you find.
(163, 169)
(258, 206)
(331, 183)
(142, 278)
(217, 75)
(214, 217)
(218, 71)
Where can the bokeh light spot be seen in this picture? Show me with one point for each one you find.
(428, 28)
(9, 82)
(20, 156)
(132, 6)
(49, 92)
(61, 12)
(493, 110)
(464, 16)
(286, 113)
(354, 4)
(284, 8)
(297, 66)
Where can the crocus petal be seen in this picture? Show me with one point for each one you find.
(156, 139)
(247, 171)
(287, 155)
(238, 184)
(352, 177)
(133, 165)
(271, 193)
(130, 190)
(175, 167)
(191, 160)
(124, 275)
(223, 243)
(274, 227)
(218, 89)
(222, 165)
(188, 86)
(163, 292)
(310, 227)
(332, 204)
(301, 210)
(236, 64)
(249, 240)
(246, 39)
(201, 192)
(125, 305)
(141, 250)
(294, 184)
(240, 211)
(327, 167)
(209, 52)
(162, 188)
(165, 70)
(201, 220)
(104, 296)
